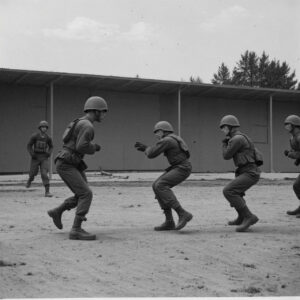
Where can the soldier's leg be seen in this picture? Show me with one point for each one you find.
(296, 188)
(69, 203)
(33, 171)
(234, 192)
(162, 188)
(77, 182)
(44, 166)
(169, 223)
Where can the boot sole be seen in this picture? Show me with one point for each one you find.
(232, 223)
(166, 229)
(50, 214)
(184, 223)
(253, 221)
(76, 237)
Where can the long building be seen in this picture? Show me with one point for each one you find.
(135, 105)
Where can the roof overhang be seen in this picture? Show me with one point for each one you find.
(141, 85)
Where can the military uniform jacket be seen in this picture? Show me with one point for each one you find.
(40, 145)
(239, 148)
(172, 147)
(295, 146)
(79, 144)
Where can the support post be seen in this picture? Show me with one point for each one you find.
(51, 127)
(271, 133)
(179, 111)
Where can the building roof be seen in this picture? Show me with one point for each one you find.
(141, 85)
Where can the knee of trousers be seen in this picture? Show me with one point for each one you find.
(296, 188)
(88, 195)
(44, 175)
(228, 192)
(159, 187)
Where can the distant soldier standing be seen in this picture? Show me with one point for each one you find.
(77, 141)
(292, 125)
(40, 147)
(177, 153)
(238, 146)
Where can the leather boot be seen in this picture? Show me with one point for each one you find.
(294, 212)
(169, 223)
(28, 183)
(77, 233)
(238, 220)
(47, 191)
(56, 214)
(248, 219)
(184, 217)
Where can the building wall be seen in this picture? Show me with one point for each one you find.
(131, 118)
(281, 138)
(21, 109)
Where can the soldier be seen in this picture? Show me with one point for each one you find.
(77, 141)
(177, 153)
(238, 146)
(292, 125)
(40, 147)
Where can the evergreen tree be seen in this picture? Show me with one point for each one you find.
(223, 75)
(246, 71)
(252, 70)
(196, 80)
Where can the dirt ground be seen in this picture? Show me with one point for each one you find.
(129, 259)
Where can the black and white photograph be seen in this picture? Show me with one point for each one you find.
(149, 149)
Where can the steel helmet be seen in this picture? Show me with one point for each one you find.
(163, 125)
(95, 103)
(229, 120)
(292, 119)
(43, 124)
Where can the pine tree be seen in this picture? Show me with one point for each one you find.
(223, 75)
(246, 71)
(196, 80)
(252, 70)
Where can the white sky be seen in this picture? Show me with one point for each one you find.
(159, 39)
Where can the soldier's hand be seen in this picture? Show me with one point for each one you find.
(297, 162)
(48, 154)
(286, 152)
(97, 147)
(226, 140)
(140, 146)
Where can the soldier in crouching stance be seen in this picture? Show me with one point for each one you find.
(292, 125)
(70, 166)
(177, 153)
(238, 146)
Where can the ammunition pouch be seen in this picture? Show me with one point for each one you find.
(71, 157)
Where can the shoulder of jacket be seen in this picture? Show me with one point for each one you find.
(84, 123)
(35, 135)
(168, 139)
(238, 138)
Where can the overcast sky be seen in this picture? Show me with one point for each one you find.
(159, 39)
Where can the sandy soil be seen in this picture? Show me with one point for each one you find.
(206, 258)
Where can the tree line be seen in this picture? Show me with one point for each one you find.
(255, 71)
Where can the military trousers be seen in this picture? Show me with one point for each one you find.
(163, 184)
(77, 182)
(296, 187)
(234, 192)
(43, 165)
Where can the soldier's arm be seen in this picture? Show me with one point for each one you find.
(50, 145)
(232, 147)
(84, 143)
(160, 147)
(294, 154)
(30, 144)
